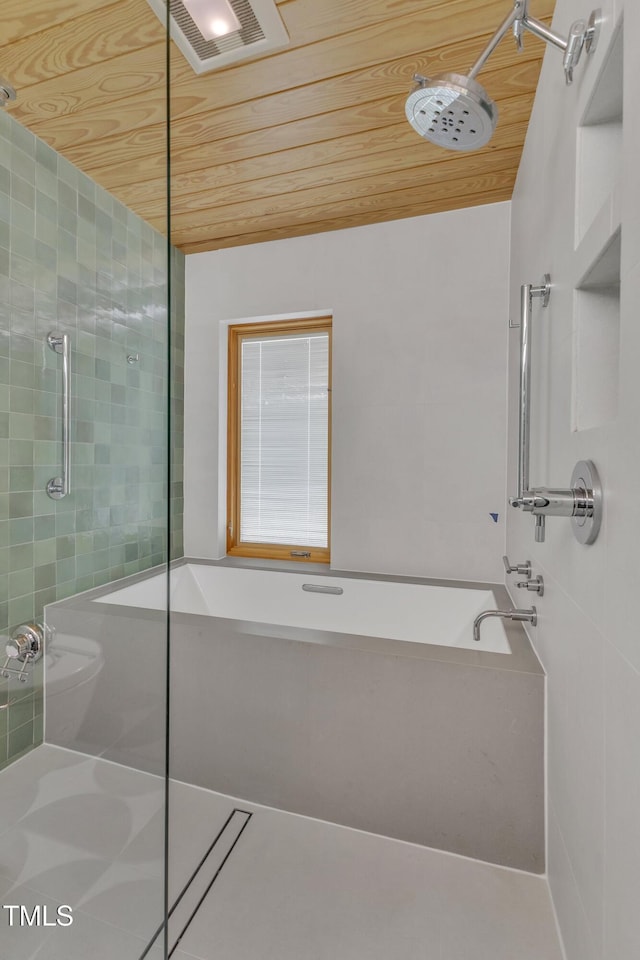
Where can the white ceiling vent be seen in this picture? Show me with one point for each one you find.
(262, 31)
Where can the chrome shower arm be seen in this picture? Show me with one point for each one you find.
(511, 18)
(582, 35)
(539, 29)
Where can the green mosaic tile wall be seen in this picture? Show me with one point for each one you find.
(74, 259)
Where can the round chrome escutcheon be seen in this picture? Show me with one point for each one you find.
(585, 477)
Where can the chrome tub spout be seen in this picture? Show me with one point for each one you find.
(528, 616)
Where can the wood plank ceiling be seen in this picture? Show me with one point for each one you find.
(309, 139)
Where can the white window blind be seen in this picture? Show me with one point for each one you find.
(284, 441)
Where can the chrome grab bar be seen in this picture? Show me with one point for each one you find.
(582, 502)
(525, 389)
(527, 292)
(59, 487)
(317, 588)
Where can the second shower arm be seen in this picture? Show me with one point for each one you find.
(582, 35)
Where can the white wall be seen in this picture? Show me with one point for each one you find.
(587, 637)
(419, 383)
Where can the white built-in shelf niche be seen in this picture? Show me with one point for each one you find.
(596, 349)
(597, 340)
(599, 142)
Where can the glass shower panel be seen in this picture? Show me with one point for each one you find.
(85, 507)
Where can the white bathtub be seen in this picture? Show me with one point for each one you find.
(418, 613)
(361, 708)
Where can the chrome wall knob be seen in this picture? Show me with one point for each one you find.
(16, 648)
(533, 585)
(26, 643)
(523, 569)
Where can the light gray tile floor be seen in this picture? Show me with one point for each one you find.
(296, 888)
(90, 833)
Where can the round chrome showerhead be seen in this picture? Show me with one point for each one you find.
(452, 111)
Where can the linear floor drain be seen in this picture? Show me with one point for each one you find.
(202, 879)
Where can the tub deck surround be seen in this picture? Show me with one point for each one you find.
(522, 657)
(432, 744)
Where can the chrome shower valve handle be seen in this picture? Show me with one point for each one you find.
(546, 502)
(581, 503)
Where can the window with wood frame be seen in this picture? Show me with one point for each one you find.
(279, 439)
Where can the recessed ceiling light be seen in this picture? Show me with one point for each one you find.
(214, 18)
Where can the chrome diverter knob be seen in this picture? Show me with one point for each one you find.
(26, 643)
(25, 646)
